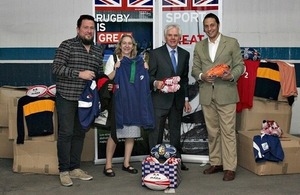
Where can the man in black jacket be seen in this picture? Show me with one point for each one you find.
(169, 105)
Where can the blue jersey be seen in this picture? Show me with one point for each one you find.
(88, 104)
(133, 103)
(267, 148)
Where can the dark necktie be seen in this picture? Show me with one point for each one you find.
(173, 59)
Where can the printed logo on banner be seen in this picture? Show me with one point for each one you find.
(139, 3)
(110, 37)
(108, 3)
(175, 3)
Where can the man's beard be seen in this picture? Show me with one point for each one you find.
(86, 41)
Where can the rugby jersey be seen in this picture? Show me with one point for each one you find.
(246, 85)
(287, 80)
(88, 104)
(267, 81)
(38, 113)
(133, 103)
(267, 148)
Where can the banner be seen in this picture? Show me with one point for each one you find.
(116, 17)
(113, 19)
(189, 15)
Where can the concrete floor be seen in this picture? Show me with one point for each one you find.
(193, 182)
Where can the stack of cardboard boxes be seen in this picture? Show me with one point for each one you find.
(37, 154)
(249, 124)
(6, 144)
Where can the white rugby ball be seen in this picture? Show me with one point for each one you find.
(156, 181)
(51, 90)
(37, 91)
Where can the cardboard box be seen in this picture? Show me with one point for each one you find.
(3, 114)
(13, 132)
(264, 109)
(88, 151)
(171, 171)
(290, 145)
(6, 94)
(6, 145)
(36, 157)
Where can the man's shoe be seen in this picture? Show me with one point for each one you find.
(229, 175)
(183, 167)
(65, 179)
(80, 174)
(213, 169)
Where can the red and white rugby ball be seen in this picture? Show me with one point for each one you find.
(37, 91)
(51, 90)
(156, 181)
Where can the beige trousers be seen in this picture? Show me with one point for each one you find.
(220, 124)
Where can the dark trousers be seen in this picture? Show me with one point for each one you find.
(70, 134)
(174, 116)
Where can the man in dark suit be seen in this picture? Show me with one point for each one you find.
(169, 105)
(219, 95)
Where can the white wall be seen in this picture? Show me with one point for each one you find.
(267, 23)
(43, 23)
(40, 23)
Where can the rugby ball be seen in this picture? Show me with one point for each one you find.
(51, 90)
(163, 151)
(156, 181)
(151, 159)
(37, 91)
(250, 54)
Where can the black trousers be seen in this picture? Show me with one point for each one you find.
(169, 119)
(70, 135)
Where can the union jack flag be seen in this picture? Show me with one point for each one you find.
(172, 5)
(140, 3)
(108, 3)
(197, 3)
(123, 5)
(175, 3)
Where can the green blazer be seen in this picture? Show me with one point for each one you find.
(228, 52)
